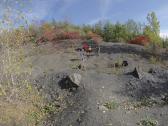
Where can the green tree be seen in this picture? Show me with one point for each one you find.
(86, 28)
(97, 28)
(108, 32)
(153, 23)
(152, 29)
(119, 33)
(133, 29)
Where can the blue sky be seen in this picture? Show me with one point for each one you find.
(91, 11)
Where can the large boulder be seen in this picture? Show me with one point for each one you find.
(71, 81)
(137, 73)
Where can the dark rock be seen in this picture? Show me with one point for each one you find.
(116, 65)
(78, 49)
(151, 71)
(80, 66)
(136, 73)
(125, 63)
(66, 83)
(70, 82)
(165, 98)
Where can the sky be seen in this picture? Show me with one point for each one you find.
(91, 11)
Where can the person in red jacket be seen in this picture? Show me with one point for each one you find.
(85, 46)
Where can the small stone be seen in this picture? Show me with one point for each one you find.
(103, 108)
(151, 70)
(125, 63)
(82, 112)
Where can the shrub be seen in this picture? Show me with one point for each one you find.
(111, 105)
(148, 122)
(49, 35)
(55, 34)
(97, 38)
(140, 40)
(70, 35)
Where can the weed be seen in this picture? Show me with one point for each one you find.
(145, 102)
(153, 60)
(111, 105)
(156, 60)
(50, 108)
(140, 40)
(117, 69)
(148, 122)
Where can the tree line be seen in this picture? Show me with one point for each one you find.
(119, 32)
(113, 32)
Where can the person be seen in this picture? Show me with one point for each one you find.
(85, 46)
(83, 58)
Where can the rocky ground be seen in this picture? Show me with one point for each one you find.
(109, 93)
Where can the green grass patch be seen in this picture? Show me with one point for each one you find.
(111, 105)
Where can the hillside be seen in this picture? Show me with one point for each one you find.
(109, 94)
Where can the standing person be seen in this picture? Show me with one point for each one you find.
(87, 47)
(83, 59)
